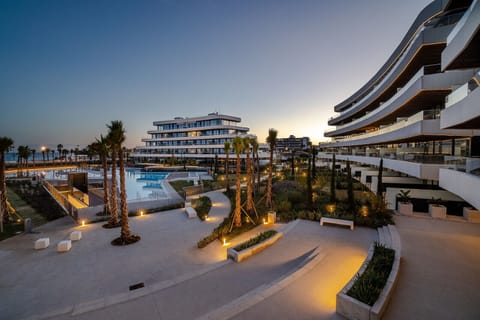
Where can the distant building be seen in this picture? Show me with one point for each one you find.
(292, 143)
(198, 138)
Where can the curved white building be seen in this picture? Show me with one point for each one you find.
(421, 111)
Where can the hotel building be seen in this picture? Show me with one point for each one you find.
(420, 112)
(198, 138)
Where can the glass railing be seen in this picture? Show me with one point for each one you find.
(461, 22)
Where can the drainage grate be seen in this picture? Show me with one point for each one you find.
(137, 286)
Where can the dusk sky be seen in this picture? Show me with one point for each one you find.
(69, 67)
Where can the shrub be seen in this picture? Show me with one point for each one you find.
(255, 240)
(202, 205)
(369, 285)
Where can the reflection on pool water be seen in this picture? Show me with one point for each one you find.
(139, 185)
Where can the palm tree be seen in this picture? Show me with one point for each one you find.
(113, 222)
(47, 151)
(380, 179)
(53, 154)
(117, 136)
(65, 153)
(102, 148)
(226, 146)
(332, 181)
(272, 141)
(246, 145)
(238, 147)
(5, 144)
(59, 148)
(33, 152)
(256, 161)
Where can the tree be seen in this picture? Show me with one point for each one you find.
(247, 148)
(117, 137)
(113, 222)
(59, 148)
(47, 151)
(350, 195)
(5, 144)
(226, 147)
(380, 179)
(65, 153)
(332, 181)
(238, 147)
(272, 141)
(255, 146)
(33, 152)
(53, 154)
(102, 148)
(309, 186)
(314, 170)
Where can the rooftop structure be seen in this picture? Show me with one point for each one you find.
(292, 143)
(420, 112)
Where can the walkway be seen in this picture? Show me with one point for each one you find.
(439, 273)
(181, 282)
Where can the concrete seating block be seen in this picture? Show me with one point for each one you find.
(42, 243)
(64, 246)
(191, 212)
(76, 235)
(341, 222)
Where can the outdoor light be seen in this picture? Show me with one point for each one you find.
(264, 221)
(364, 211)
(141, 213)
(224, 242)
(83, 223)
(331, 208)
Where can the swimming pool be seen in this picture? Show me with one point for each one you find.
(139, 185)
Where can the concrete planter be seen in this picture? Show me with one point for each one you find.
(239, 256)
(437, 211)
(351, 308)
(471, 214)
(405, 208)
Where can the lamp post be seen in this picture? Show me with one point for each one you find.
(43, 148)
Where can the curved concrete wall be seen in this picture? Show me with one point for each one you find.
(464, 185)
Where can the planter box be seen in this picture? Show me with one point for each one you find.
(437, 211)
(239, 256)
(471, 214)
(405, 208)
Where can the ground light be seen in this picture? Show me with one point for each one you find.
(265, 221)
(141, 213)
(83, 223)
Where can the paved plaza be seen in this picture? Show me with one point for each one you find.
(297, 278)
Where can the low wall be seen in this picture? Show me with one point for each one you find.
(351, 308)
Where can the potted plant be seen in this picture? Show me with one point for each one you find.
(436, 209)
(405, 206)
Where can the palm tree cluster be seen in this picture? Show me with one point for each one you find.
(6, 144)
(22, 160)
(111, 146)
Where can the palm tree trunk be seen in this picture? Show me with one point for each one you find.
(238, 204)
(269, 183)
(113, 192)
(3, 191)
(106, 197)
(125, 233)
(226, 173)
(249, 183)
(258, 172)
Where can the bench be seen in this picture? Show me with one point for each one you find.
(64, 246)
(42, 243)
(190, 212)
(342, 222)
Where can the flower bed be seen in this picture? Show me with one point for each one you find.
(255, 240)
(254, 245)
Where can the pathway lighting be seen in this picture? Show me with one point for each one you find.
(83, 223)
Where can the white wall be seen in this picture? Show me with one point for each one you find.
(463, 184)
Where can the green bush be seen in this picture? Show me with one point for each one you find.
(369, 285)
(255, 240)
(202, 205)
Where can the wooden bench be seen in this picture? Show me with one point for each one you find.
(342, 222)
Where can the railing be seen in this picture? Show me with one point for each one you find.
(461, 22)
(462, 92)
(418, 75)
(61, 200)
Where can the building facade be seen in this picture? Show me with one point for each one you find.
(199, 138)
(420, 112)
(292, 143)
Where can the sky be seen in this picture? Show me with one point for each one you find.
(67, 68)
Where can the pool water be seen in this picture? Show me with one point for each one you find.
(139, 185)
